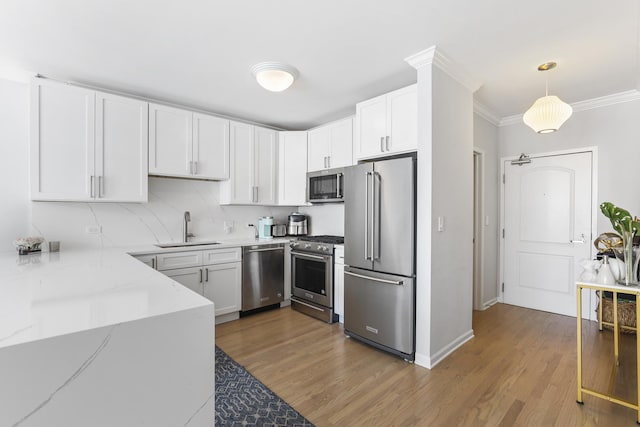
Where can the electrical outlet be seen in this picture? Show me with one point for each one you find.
(93, 229)
(228, 227)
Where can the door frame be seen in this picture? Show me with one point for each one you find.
(594, 209)
(479, 246)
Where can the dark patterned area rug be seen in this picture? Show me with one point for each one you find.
(242, 400)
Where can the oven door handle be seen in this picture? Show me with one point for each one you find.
(303, 255)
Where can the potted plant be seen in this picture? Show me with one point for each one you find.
(628, 227)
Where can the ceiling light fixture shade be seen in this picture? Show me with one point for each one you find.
(548, 113)
(274, 76)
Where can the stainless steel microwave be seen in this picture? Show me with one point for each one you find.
(325, 186)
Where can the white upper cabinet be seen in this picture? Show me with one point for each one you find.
(387, 124)
(331, 146)
(86, 145)
(186, 144)
(252, 166)
(292, 168)
(266, 170)
(170, 140)
(210, 147)
(121, 148)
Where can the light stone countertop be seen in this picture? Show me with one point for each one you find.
(51, 294)
(223, 243)
(45, 295)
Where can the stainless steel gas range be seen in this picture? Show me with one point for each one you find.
(312, 279)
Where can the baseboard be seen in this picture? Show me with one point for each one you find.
(285, 303)
(227, 317)
(451, 347)
(489, 303)
(422, 360)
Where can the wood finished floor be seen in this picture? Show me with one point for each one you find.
(519, 369)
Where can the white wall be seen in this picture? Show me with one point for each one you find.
(485, 138)
(444, 263)
(452, 199)
(325, 219)
(14, 164)
(614, 129)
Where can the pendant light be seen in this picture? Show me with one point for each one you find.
(548, 113)
(274, 76)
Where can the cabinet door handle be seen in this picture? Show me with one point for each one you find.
(100, 186)
(200, 276)
(382, 143)
(328, 161)
(206, 275)
(153, 263)
(387, 143)
(195, 168)
(91, 179)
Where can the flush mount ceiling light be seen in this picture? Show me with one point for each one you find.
(548, 113)
(274, 76)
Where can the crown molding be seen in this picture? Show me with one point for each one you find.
(605, 101)
(588, 104)
(484, 112)
(432, 56)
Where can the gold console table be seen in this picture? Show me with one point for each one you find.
(615, 289)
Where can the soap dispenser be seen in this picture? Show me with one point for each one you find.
(605, 275)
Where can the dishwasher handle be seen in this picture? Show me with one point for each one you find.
(265, 250)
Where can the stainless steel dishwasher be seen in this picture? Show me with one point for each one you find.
(262, 275)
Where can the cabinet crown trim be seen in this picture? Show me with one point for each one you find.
(433, 56)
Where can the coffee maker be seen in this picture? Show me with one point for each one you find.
(297, 224)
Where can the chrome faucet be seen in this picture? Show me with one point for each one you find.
(185, 227)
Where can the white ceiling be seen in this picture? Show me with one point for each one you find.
(198, 52)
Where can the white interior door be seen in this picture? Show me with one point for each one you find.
(547, 230)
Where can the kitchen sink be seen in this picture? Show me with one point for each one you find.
(185, 244)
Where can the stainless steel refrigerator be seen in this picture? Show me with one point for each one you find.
(379, 239)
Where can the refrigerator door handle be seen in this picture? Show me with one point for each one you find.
(390, 282)
(366, 216)
(377, 196)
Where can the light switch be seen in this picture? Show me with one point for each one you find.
(440, 223)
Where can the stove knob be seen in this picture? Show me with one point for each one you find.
(294, 244)
(324, 248)
(307, 245)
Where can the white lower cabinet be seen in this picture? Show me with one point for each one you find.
(215, 274)
(222, 285)
(189, 277)
(338, 282)
(150, 260)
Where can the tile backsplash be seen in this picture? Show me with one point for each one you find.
(91, 225)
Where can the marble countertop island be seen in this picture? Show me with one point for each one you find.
(44, 295)
(95, 337)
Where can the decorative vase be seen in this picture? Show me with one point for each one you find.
(605, 276)
(627, 254)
